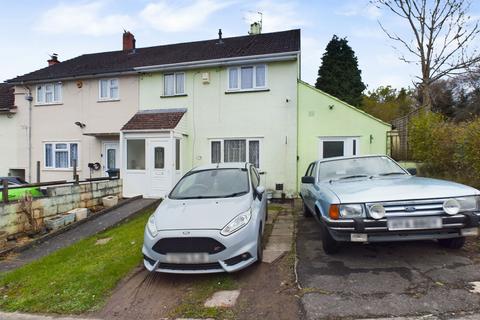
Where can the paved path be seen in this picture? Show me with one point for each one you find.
(73, 235)
(280, 240)
(406, 279)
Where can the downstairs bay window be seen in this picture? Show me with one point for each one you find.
(235, 150)
(60, 155)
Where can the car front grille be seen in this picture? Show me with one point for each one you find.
(190, 267)
(412, 207)
(188, 245)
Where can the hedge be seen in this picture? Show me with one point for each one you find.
(448, 150)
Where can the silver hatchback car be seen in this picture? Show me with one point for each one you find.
(212, 221)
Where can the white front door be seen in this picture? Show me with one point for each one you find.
(111, 156)
(160, 167)
(329, 147)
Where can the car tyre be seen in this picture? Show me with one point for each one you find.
(452, 243)
(306, 212)
(260, 246)
(330, 245)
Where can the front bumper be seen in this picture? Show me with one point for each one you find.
(370, 230)
(242, 243)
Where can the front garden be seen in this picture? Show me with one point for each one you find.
(77, 278)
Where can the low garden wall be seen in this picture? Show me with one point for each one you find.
(14, 216)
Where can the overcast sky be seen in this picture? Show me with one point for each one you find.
(31, 30)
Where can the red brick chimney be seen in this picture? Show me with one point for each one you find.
(128, 41)
(53, 59)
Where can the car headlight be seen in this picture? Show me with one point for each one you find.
(152, 228)
(237, 223)
(456, 205)
(376, 211)
(351, 211)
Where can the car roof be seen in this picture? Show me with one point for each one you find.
(222, 165)
(353, 157)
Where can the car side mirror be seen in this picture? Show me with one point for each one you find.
(260, 190)
(308, 179)
(412, 171)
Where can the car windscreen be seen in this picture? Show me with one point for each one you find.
(358, 167)
(212, 183)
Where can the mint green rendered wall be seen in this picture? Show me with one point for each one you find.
(315, 119)
(213, 113)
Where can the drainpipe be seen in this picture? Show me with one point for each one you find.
(29, 98)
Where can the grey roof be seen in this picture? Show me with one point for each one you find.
(124, 61)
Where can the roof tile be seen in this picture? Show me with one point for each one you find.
(155, 119)
(7, 98)
(121, 61)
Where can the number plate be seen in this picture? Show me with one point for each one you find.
(185, 258)
(417, 223)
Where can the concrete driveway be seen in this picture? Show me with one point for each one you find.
(383, 280)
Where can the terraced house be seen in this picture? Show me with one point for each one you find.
(156, 112)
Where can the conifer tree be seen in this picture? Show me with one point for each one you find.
(339, 74)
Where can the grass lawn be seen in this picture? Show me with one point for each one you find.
(16, 194)
(77, 278)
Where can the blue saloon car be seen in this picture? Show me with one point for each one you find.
(373, 199)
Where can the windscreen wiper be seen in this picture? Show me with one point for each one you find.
(234, 194)
(391, 173)
(353, 176)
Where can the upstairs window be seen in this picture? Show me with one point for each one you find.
(61, 155)
(49, 93)
(108, 89)
(174, 84)
(247, 77)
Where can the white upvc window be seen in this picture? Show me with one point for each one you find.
(174, 84)
(329, 147)
(236, 150)
(60, 155)
(108, 89)
(49, 93)
(246, 78)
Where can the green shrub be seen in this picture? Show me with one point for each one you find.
(447, 149)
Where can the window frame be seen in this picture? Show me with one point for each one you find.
(175, 93)
(41, 92)
(54, 150)
(145, 155)
(351, 145)
(255, 87)
(178, 154)
(247, 151)
(109, 82)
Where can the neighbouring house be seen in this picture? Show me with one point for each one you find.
(13, 134)
(156, 112)
(77, 108)
(329, 127)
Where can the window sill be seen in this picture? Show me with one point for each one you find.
(108, 100)
(175, 96)
(61, 169)
(48, 104)
(247, 91)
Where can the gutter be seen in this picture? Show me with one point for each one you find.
(88, 76)
(274, 57)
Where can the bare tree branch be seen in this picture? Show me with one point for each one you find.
(441, 33)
